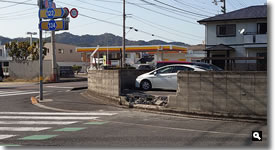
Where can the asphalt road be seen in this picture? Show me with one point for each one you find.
(87, 122)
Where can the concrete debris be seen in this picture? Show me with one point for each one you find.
(147, 99)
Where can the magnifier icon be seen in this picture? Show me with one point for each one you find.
(256, 135)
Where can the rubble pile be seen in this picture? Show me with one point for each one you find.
(147, 99)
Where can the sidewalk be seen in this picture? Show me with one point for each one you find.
(74, 101)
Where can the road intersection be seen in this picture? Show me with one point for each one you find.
(90, 123)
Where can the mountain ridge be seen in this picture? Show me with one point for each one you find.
(106, 39)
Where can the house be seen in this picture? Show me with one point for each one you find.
(65, 55)
(4, 60)
(238, 40)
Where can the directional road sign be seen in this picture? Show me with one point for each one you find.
(53, 25)
(53, 13)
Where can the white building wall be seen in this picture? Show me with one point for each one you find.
(242, 43)
(249, 26)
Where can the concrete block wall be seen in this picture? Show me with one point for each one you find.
(29, 70)
(104, 82)
(111, 83)
(225, 93)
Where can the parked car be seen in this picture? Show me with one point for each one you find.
(164, 77)
(209, 67)
(66, 72)
(165, 63)
(144, 67)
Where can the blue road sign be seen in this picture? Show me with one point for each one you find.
(50, 13)
(52, 25)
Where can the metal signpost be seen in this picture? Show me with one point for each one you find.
(49, 12)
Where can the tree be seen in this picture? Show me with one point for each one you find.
(23, 51)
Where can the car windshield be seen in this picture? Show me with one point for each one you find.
(209, 67)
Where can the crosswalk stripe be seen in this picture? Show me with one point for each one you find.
(6, 136)
(13, 94)
(39, 122)
(23, 128)
(48, 117)
(58, 114)
(6, 92)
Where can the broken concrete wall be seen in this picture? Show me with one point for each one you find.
(225, 93)
(112, 82)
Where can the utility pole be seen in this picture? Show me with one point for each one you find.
(54, 66)
(123, 40)
(40, 56)
(223, 7)
(31, 33)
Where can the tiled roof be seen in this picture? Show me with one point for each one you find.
(220, 47)
(253, 12)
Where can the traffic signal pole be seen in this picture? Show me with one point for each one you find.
(40, 57)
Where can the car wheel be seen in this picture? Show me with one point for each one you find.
(145, 85)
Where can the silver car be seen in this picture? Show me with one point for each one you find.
(164, 77)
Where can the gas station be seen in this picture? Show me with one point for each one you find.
(112, 55)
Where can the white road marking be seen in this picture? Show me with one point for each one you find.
(23, 128)
(39, 122)
(5, 95)
(11, 92)
(48, 118)
(59, 87)
(182, 129)
(59, 113)
(6, 136)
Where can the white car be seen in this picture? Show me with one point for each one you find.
(164, 77)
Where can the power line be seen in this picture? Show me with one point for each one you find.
(152, 23)
(91, 9)
(140, 19)
(23, 3)
(196, 8)
(127, 27)
(162, 13)
(12, 5)
(170, 10)
(202, 15)
(15, 15)
(15, 12)
(98, 6)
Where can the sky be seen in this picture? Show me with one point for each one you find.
(167, 20)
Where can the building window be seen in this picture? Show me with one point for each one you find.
(226, 30)
(261, 28)
(1, 52)
(60, 51)
(6, 64)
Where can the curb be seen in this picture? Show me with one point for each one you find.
(174, 112)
